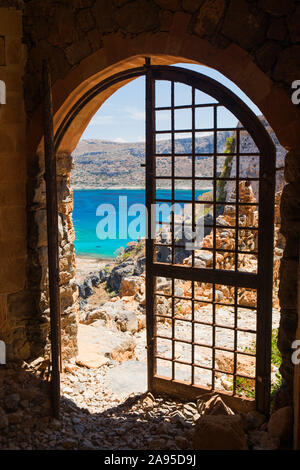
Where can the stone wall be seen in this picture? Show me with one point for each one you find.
(38, 258)
(255, 43)
(14, 309)
(288, 289)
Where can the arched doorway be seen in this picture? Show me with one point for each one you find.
(254, 282)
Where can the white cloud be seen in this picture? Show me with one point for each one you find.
(135, 113)
(105, 119)
(120, 140)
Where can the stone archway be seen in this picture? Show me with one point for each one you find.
(122, 54)
(119, 54)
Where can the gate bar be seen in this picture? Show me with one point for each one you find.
(52, 232)
(150, 150)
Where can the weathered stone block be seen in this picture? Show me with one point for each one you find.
(281, 423)
(41, 224)
(292, 166)
(62, 26)
(277, 7)
(290, 210)
(85, 21)
(267, 55)
(288, 66)
(293, 25)
(287, 330)
(277, 29)
(215, 432)
(104, 15)
(82, 3)
(2, 50)
(288, 283)
(138, 16)
(168, 4)
(209, 16)
(64, 164)
(243, 26)
(68, 295)
(191, 5)
(94, 38)
(77, 51)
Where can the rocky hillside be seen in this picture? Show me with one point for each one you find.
(124, 312)
(99, 163)
(249, 166)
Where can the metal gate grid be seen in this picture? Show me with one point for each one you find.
(176, 272)
(166, 368)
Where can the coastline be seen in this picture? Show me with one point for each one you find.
(85, 265)
(126, 188)
(96, 258)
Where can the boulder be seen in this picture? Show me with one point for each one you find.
(162, 306)
(163, 286)
(281, 423)
(262, 440)
(125, 351)
(120, 271)
(140, 266)
(203, 259)
(81, 291)
(95, 314)
(130, 286)
(218, 432)
(163, 254)
(253, 420)
(130, 246)
(103, 275)
(127, 321)
(212, 404)
(86, 289)
(245, 364)
(95, 279)
(97, 345)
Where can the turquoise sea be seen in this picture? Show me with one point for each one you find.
(85, 219)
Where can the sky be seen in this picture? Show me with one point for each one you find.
(122, 117)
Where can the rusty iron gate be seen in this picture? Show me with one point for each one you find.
(52, 235)
(209, 307)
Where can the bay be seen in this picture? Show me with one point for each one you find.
(85, 219)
